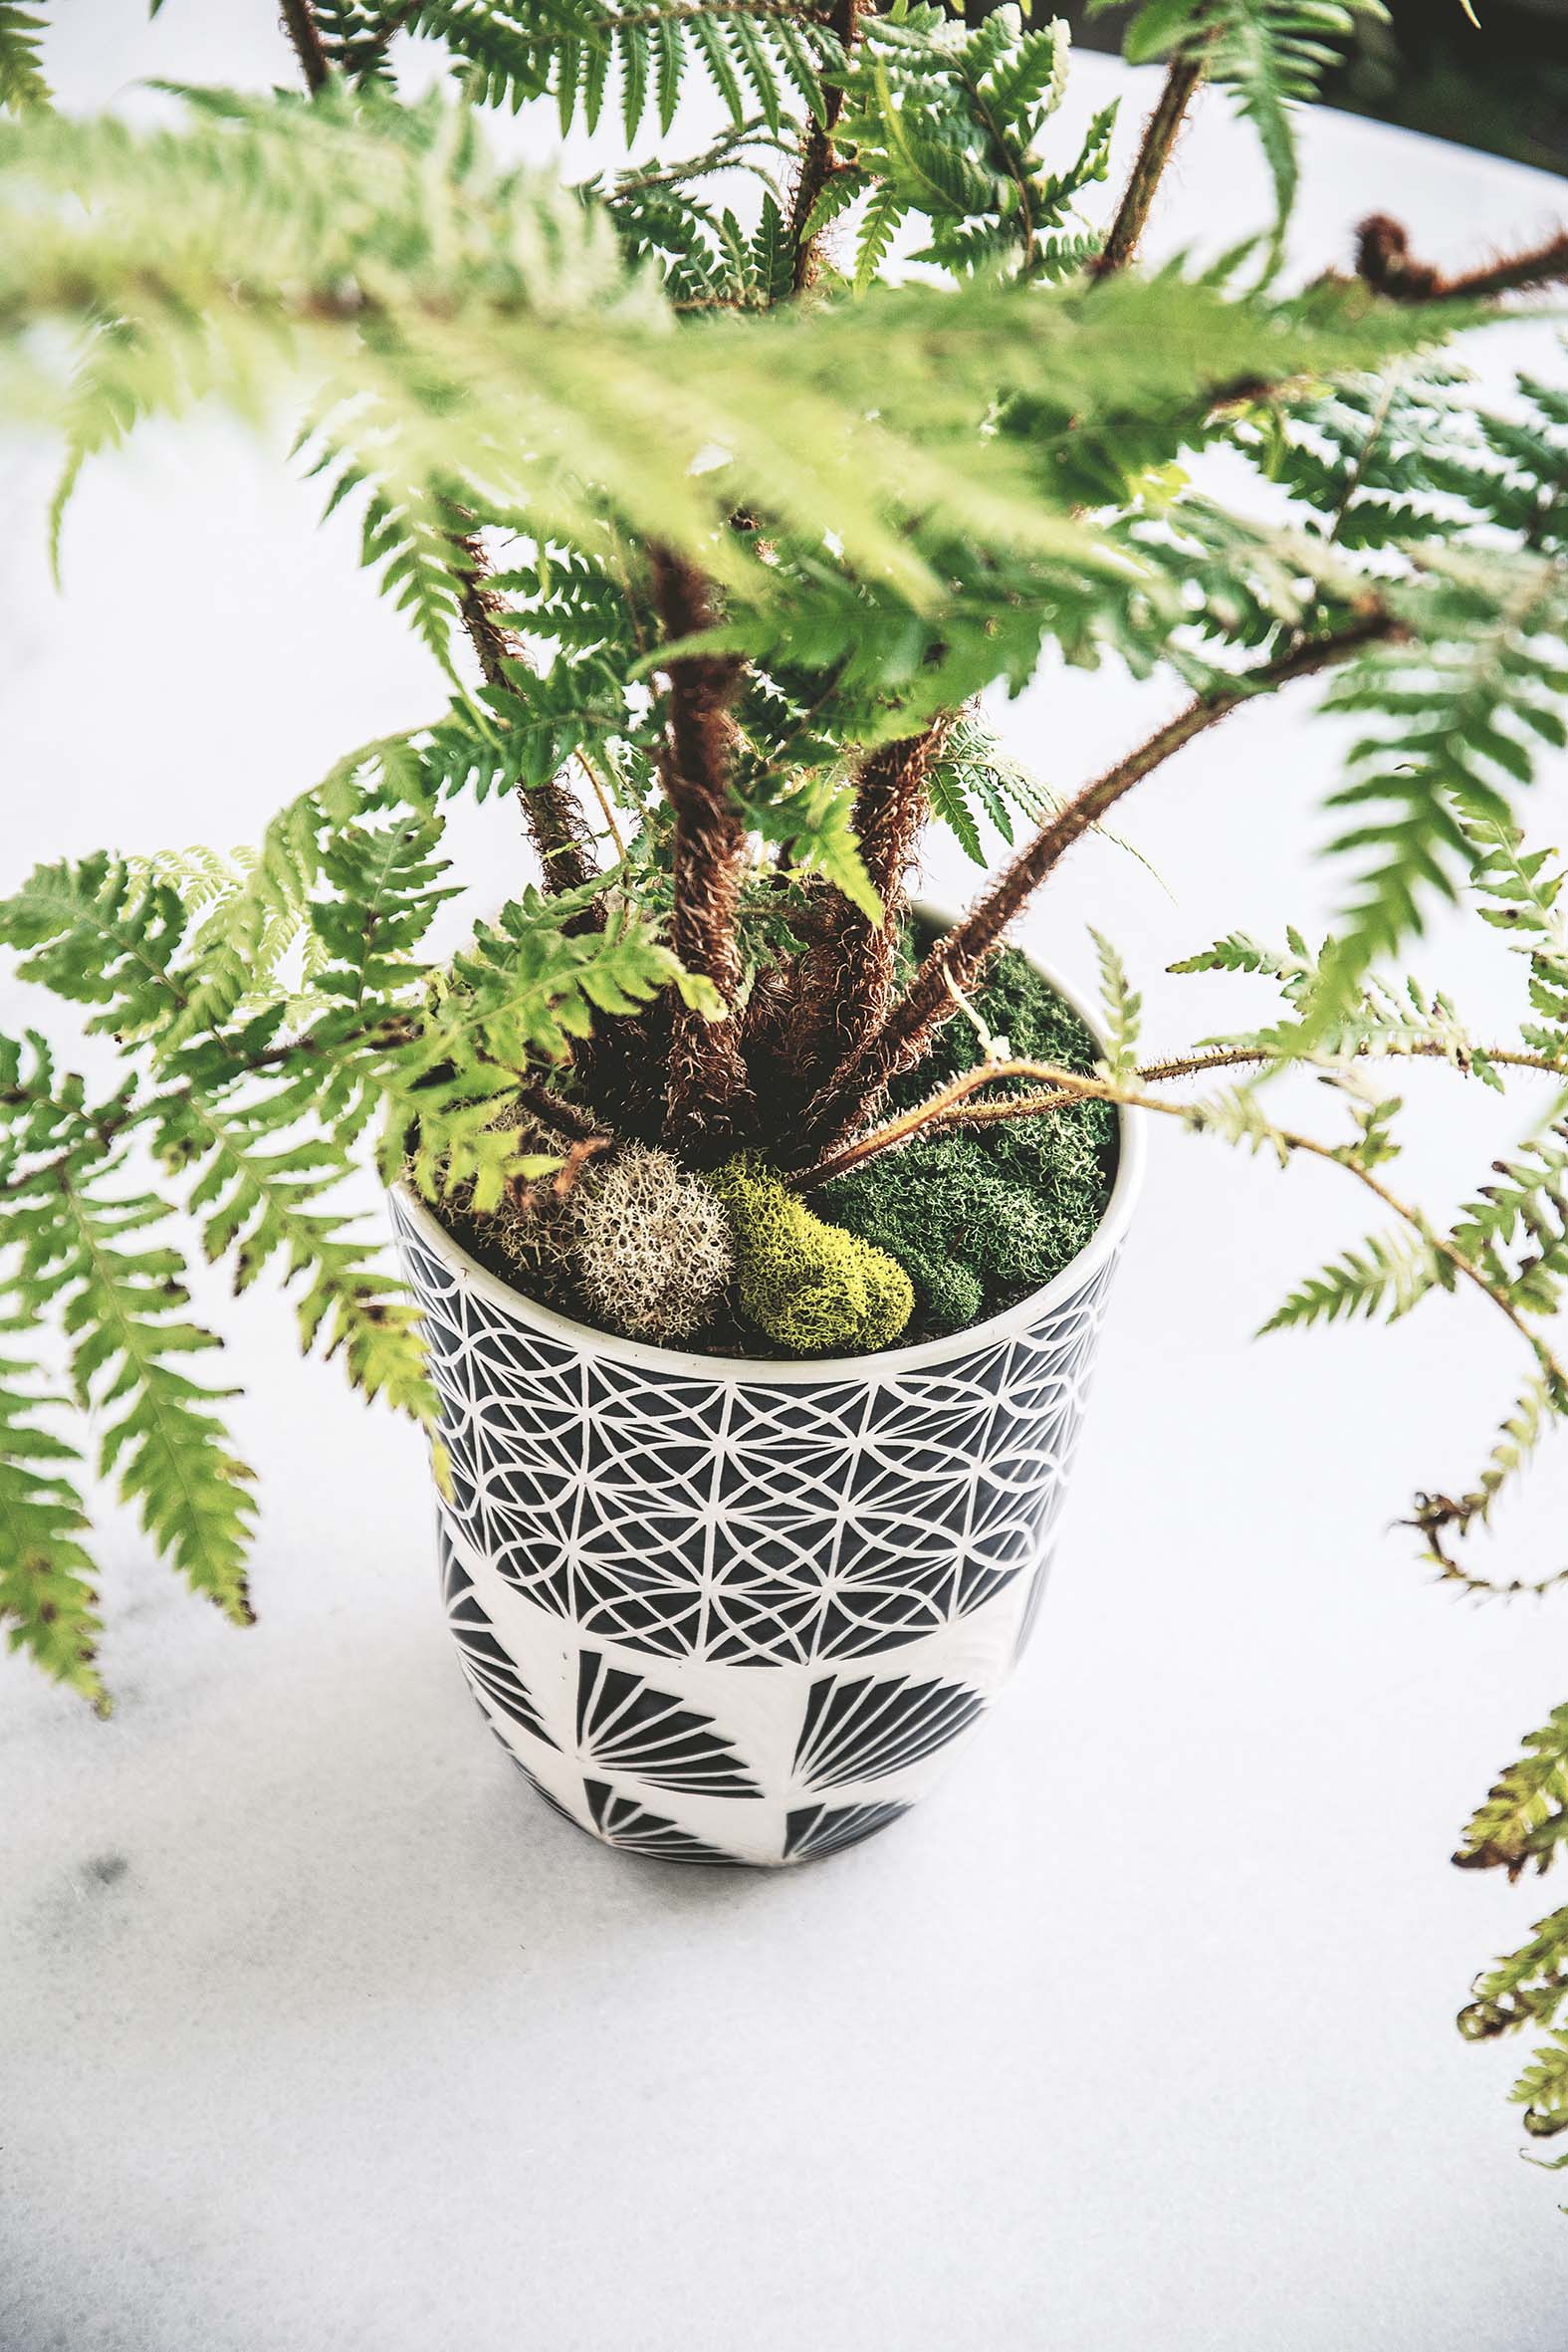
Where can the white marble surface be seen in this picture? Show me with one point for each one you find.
(315, 2031)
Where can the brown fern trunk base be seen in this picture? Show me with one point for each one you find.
(708, 1104)
(851, 976)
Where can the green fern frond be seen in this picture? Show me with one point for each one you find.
(48, 1604)
(81, 1255)
(756, 51)
(813, 823)
(943, 121)
(1542, 2090)
(1122, 1010)
(1460, 711)
(95, 935)
(22, 82)
(1387, 1276)
(259, 1196)
(1525, 1818)
(1516, 1227)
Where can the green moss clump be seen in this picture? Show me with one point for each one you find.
(813, 1288)
(981, 1216)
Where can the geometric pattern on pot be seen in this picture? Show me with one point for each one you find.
(744, 1521)
(861, 1729)
(625, 1724)
(487, 1667)
(621, 1822)
(823, 1829)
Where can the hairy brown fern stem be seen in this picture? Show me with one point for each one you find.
(957, 961)
(1182, 84)
(551, 811)
(851, 977)
(305, 34)
(1384, 261)
(816, 156)
(708, 1100)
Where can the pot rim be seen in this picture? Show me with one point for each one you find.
(800, 1371)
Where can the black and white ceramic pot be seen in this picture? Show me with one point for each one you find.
(720, 1610)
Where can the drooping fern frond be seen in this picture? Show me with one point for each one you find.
(260, 1198)
(22, 81)
(758, 56)
(1387, 1276)
(976, 778)
(1524, 1819)
(1458, 715)
(80, 1252)
(48, 1604)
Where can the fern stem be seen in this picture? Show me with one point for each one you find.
(938, 1113)
(849, 976)
(1183, 81)
(555, 1112)
(816, 157)
(303, 31)
(600, 792)
(551, 810)
(1067, 1085)
(1384, 262)
(957, 960)
(707, 1071)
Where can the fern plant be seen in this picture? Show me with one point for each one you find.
(721, 485)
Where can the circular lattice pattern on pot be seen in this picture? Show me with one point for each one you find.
(743, 1520)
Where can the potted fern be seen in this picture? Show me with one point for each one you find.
(757, 1220)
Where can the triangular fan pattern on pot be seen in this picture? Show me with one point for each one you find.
(624, 1723)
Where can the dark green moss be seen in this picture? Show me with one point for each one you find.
(982, 1216)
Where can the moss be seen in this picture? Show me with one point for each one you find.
(982, 1216)
(653, 1250)
(813, 1288)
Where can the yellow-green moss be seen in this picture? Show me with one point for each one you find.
(813, 1289)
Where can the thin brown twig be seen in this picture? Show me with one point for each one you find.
(1072, 1086)
(1183, 81)
(601, 791)
(1026, 1106)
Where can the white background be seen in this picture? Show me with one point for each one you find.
(318, 2032)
